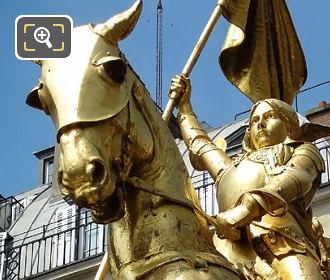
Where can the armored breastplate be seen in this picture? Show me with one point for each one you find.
(245, 176)
(248, 173)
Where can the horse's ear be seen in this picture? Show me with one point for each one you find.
(39, 62)
(121, 25)
(33, 99)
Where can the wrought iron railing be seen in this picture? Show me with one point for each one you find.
(50, 250)
(10, 210)
(206, 192)
(324, 148)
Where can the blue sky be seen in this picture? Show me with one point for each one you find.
(25, 130)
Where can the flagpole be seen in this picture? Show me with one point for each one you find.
(103, 268)
(194, 57)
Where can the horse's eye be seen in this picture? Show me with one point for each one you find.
(116, 70)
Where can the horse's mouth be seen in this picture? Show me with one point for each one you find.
(110, 210)
(103, 210)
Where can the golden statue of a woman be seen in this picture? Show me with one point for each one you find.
(264, 195)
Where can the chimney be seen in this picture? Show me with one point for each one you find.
(319, 114)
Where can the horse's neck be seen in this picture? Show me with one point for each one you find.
(153, 224)
(153, 150)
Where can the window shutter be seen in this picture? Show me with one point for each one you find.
(65, 238)
(3, 236)
(100, 238)
(17, 208)
(325, 153)
(206, 192)
(92, 236)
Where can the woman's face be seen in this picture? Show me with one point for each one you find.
(266, 127)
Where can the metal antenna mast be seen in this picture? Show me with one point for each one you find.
(159, 55)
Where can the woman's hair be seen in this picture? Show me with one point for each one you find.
(285, 112)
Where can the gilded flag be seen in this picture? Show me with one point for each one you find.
(262, 55)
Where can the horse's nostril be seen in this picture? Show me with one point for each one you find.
(97, 171)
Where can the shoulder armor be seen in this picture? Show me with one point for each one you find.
(310, 151)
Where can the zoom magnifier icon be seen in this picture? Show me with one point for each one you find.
(42, 35)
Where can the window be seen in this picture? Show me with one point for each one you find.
(48, 170)
(93, 239)
(17, 209)
(64, 249)
(5, 214)
(324, 149)
(207, 194)
(325, 152)
(3, 236)
(46, 161)
(91, 236)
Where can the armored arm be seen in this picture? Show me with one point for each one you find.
(291, 181)
(204, 154)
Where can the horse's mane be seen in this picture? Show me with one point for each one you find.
(166, 151)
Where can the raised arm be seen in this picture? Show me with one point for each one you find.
(204, 154)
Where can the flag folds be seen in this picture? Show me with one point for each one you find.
(262, 55)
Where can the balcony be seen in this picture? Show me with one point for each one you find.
(48, 249)
(10, 209)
